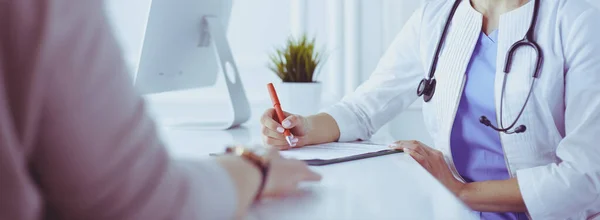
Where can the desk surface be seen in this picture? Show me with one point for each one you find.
(388, 187)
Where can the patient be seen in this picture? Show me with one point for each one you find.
(76, 143)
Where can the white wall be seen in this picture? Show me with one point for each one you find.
(256, 27)
(595, 3)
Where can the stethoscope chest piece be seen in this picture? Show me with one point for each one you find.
(426, 89)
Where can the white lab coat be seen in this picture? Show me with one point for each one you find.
(557, 160)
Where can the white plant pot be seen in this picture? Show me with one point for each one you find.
(300, 98)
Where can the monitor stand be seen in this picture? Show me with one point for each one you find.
(213, 35)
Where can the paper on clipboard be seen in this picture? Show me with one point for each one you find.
(332, 150)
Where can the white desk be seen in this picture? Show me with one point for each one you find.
(389, 187)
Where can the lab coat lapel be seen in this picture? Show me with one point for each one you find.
(512, 28)
(450, 75)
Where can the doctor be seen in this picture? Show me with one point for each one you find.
(511, 97)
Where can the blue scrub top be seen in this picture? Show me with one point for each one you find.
(476, 149)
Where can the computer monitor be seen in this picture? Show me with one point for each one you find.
(185, 47)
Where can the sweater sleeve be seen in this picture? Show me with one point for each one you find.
(98, 155)
(391, 88)
(577, 177)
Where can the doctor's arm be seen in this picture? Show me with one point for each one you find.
(493, 196)
(488, 196)
(390, 89)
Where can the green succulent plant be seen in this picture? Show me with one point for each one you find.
(297, 61)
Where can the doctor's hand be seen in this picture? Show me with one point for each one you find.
(433, 161)
(272, 130)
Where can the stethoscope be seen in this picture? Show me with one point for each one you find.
(427, 85)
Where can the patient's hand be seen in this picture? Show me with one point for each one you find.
(285, 175)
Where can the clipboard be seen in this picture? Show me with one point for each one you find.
(322, 162)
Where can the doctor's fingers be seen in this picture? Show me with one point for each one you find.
(415, 146)
(277, 134)
(268, 120)
(267, 132)
(431, 153)
(291, 121)
(421, 159)
(280, 144)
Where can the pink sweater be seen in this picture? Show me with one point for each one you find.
(75, 141)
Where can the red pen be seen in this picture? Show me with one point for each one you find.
(280, 115)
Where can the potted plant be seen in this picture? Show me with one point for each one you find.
(297, 65)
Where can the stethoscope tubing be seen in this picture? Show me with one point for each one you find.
(426, 87)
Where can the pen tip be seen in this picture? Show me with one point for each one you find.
(289, 140)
